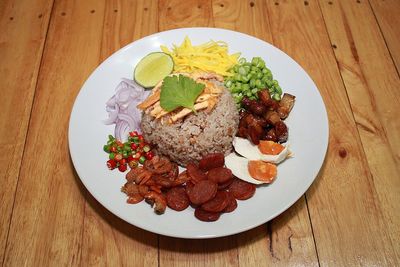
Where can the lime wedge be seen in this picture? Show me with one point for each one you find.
(153, 68)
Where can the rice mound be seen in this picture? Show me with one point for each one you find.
(187, 140)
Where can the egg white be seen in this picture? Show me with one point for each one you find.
(238, 166)
(245, 148)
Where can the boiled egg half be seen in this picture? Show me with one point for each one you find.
(268, 151)
(258, 164)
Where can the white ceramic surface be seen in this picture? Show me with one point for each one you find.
(308, 135)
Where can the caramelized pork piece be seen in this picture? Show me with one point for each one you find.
(261, 121)
(243, 132)
(285, 105)
(257, 108)
(272, 117)
(270, 135)
(265, 98)
(255, 132)
(281, 131)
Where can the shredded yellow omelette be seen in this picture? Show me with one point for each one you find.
(208, 57)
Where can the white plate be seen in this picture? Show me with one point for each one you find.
(308, 135)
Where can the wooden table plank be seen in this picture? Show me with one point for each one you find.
(288, 239)
(23, 31)
(124, 22)
(387, 14)
(47, 222)
(373, 91)
(343, 203)
(191, 13)
(285, 241)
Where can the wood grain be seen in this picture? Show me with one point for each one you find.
(191, 13)
(47, 222)
(285, 241)
(244, 16)
(373, 91)
(387, 15)
(343, 203)
(110, 241)
(127, 21)
(288, 239)
(23, 33)
(124, 22)
(208, 252)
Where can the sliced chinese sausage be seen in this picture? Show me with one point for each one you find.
(189, 186)
(242, 190)
(225, 185)
(212, 160)
(219, 175)
(218, 203)
(202, 192)
(206, 216)
(196, 175)
(177, 199)
(232, 203)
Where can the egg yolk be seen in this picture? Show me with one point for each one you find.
(262, 171)
(270, 147)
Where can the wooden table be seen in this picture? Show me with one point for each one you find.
(349, 216)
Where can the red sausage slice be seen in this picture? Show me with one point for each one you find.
(212, 160)
(195, 173)
(189, 186)
(202, 192)
(177, 199)
(218, 203)
(232, 203)
(219, 175)
(225, 185)
(242, 190)
(206, 216)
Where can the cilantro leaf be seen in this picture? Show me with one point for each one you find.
(179, 91)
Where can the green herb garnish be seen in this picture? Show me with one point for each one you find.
(179, 91)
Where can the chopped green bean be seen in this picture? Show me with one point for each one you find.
(258, 83)
(245, 87)
(276, 97)
(250, 77)
(242, 71)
